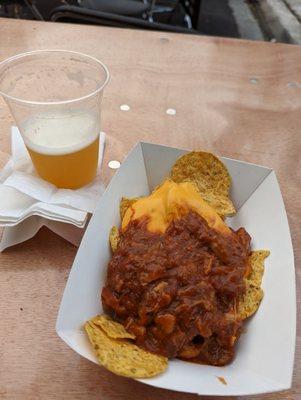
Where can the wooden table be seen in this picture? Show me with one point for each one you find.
(239, 99)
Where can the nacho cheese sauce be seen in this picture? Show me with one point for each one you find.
(174, 282)
(170, 201)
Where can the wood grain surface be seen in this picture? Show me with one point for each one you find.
(236, 98)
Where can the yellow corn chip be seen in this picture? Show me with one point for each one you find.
(222, 205)
(250, 301)
(124, 358)
(257, 267)
(210, 176)
(114, 238)
(125, 203)
(113, 329)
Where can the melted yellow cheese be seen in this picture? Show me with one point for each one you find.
(171, 201)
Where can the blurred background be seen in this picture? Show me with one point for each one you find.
(268, 20)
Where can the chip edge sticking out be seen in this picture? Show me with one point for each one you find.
(250, 301)
(114, 238)
(122, 357)
(213, 187)
(113, 329)
(125, 203)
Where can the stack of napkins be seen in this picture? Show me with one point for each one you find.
(27, 202)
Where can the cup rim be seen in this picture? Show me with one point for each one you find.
(49, 103)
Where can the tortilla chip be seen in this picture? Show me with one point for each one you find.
(112, 328)
(211, 177)
(250, 301)
(125, 203)
(124, 358)
(114, 238)
(222, 205)
(257, 267)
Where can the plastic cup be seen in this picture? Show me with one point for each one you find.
(55, 98)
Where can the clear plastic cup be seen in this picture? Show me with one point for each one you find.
(55, 98)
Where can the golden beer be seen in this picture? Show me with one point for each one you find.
(64, 148)
(55, 98)
(71, 170)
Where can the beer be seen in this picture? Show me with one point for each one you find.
(63, 147)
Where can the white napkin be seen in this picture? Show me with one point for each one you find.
(25, 196)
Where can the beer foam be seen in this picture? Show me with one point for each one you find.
(60, 133)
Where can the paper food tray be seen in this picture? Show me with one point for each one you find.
(265, 353)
